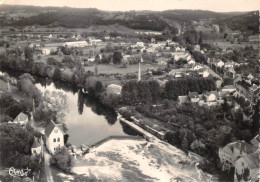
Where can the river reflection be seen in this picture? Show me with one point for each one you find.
(88, 121)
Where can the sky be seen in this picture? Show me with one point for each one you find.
(155, 5)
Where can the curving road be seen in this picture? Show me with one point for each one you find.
(48, 173)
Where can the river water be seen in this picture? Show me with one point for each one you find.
(87, 120)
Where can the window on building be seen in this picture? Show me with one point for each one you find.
(54, 140)
(54, 148)
(58, 139)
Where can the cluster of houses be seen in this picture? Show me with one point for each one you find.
(54, 135)
(228, 67)
(196, 70)
(250, 91)
(243, 157)
(209, 98)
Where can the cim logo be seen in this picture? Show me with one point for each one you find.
(18, 172)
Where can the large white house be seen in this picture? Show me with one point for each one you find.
(54, 136)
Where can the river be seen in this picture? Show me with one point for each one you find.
(87, 120)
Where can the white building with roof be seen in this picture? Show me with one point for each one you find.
(37, 146)
(76, 44)
(54, 136)
(114, 89)
(21, 119)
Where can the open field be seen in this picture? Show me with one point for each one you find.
(96, 50)
(110, 69)
(44, 58)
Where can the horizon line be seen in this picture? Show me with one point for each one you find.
(127, 10)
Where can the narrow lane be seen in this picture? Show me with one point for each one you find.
(47, 166)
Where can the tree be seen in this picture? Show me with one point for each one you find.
(97, 58)
(14, 151)
(43, 117)
(117, 57)
(225, 107)
(26, 84)
(155, 90)
(197, 146)
(6, 100)
(79, 74)
(254, 127)
(13, 110)
(96, 70)
(184, 142)
(199, 57)
(28, 54)
(80, 102)
(62, 159)
(130, 92)
(110, 100)
(5, 118)
(57, 73)
(68, 61)
(246, 174)
(105, 60)
(99, 88)
(144, 92)
(200, 41)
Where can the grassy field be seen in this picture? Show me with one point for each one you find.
(44, 58)
(110, 69)
(96, 50)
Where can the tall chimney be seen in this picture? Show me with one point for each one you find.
(139, 71)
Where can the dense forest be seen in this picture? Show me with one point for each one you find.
(146, 20)
(245, 22)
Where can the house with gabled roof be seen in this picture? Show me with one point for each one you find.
(211, 96)
(194, 96)
(232, 151)
(21, 119)
(229, 88)
(54, 136)
(183, 98)
(37, 146)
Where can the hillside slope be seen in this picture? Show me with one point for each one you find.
(146, 20)
(245, 22)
